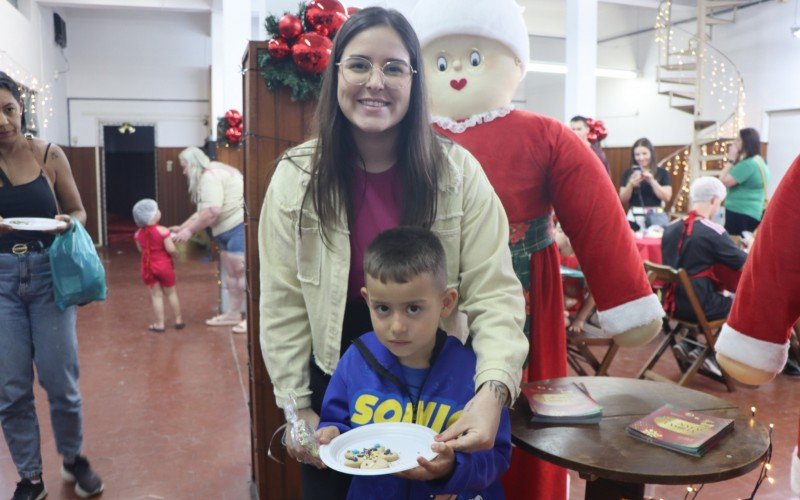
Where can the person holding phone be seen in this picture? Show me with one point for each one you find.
(644, 185)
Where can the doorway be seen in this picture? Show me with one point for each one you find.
(129, 174)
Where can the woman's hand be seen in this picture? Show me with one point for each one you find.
(477, 427)
(61, 229)
(733, 152)
(174, 229)
(181, 235)
(296, 451)
(441, 466)
(635, 179)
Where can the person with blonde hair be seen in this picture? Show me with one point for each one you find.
(218, 191)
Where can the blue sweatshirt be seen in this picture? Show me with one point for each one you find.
(369, 375)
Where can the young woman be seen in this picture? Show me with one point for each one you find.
(747, 176)
(376, 164)
(35, 180)
(645, 184)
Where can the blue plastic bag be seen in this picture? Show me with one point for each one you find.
(78, 274)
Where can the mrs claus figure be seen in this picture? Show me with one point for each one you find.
(754, 343)
(475, 55)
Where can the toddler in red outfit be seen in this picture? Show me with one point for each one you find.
(158, 272)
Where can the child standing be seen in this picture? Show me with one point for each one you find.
(410, 362)
(158, 272)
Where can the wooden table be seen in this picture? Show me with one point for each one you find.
(614, 464)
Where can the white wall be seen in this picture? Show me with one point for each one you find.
(27, 46)
(160, 58)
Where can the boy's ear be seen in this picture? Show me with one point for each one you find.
(365, 294)
(449, 301)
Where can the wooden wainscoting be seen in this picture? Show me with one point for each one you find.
(84, 170)
(172, 188)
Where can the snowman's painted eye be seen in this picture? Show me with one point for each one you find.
(475, 58)
(441, 63)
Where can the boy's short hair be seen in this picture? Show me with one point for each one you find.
(402, 253)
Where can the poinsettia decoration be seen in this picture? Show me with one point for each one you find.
(597, 130)
(230, 128)
(300, 46)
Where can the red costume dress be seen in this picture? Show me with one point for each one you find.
(767, 301)
(157, 264)
(536, 164)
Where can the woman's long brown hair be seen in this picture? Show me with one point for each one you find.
(420, 156)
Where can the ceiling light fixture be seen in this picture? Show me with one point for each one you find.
(561, 69)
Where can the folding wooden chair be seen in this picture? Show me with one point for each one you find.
(579, 352)
(685, 331)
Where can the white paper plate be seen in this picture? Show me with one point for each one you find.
(34, 223)
(408, 440)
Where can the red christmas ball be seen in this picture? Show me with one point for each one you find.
(278, 48)
(311, 52)
(290, 27)
(233, 117)
(234, 135)
(325, 16)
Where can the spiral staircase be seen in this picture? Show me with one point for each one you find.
(700, 80)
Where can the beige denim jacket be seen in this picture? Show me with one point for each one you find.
(304, 282)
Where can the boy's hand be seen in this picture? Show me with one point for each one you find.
(441, 466)
(326, 434)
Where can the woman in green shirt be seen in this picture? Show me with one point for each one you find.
(747, 182)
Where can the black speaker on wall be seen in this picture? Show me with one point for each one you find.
(60, 30)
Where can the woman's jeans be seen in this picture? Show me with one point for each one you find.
(34, 331)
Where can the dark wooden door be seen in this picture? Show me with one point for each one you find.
(272, 124)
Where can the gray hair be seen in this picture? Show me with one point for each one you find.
(706, 188)
(197, 161)
(144, 211)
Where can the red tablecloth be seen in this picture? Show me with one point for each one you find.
(650, 249)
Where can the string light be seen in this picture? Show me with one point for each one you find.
(722, 102)
(36, 94)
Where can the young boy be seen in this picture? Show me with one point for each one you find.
(409, 363)
(158, 272)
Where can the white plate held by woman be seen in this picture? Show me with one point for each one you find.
(34, 223)
(409, 441)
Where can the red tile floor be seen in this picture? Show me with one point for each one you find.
(166, 415)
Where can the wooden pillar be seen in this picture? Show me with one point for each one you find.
(272, 124)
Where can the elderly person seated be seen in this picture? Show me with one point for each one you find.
(697, 244)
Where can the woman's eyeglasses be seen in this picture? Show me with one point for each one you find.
(358, 71)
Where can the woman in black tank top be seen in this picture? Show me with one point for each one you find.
(35, 180)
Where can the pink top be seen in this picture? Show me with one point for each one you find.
(376, 200)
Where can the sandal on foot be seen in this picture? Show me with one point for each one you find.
(222, 320)
(180, 326)
(240, 327)
(154, 328)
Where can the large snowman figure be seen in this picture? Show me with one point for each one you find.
(754, 343)
(475, 55)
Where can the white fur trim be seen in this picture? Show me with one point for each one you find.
(458, 127)
(499, 20)
(766, 356)
(795, 472)
(631, 314)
